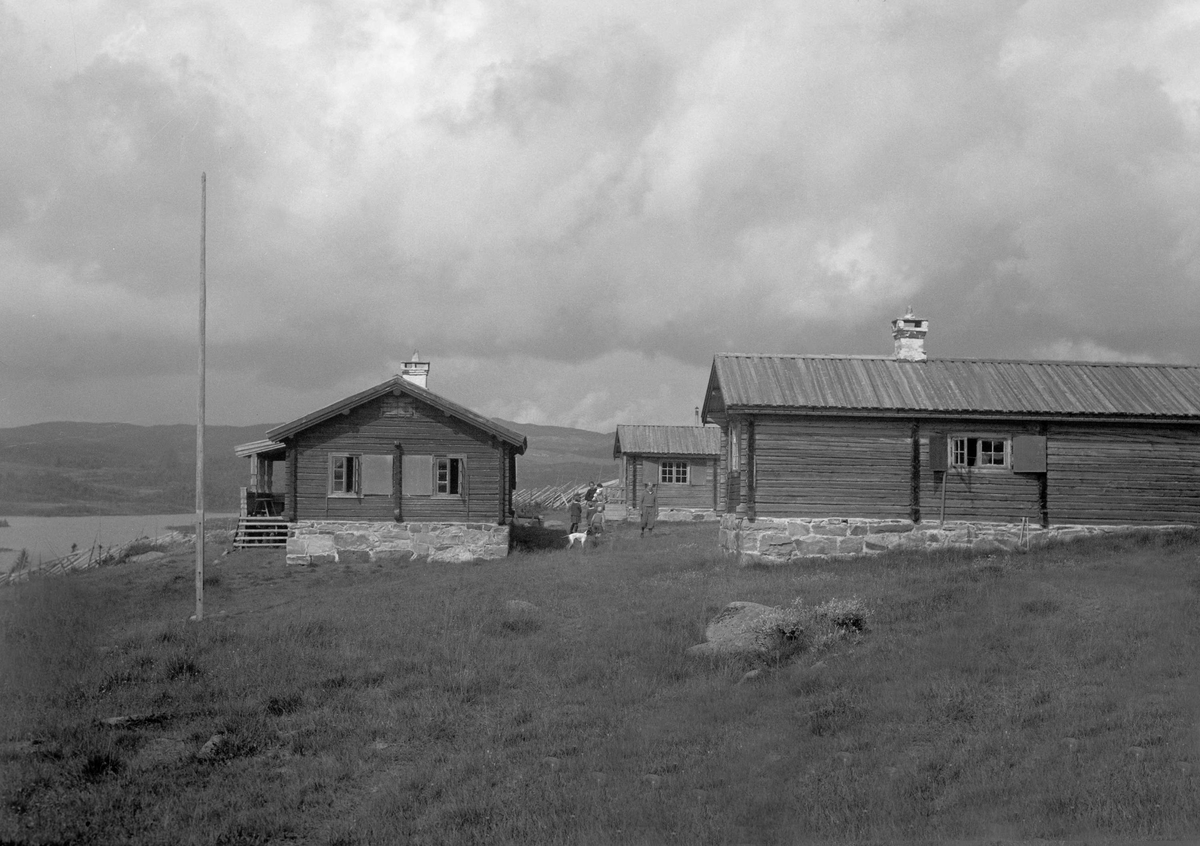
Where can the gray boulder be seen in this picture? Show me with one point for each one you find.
(751, 630)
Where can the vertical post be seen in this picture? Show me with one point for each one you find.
(200, 418)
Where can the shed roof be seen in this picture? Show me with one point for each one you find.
(400, 385)
(667, 440)
(265, 447)
(881, 385)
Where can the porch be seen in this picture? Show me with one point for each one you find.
(260, 509)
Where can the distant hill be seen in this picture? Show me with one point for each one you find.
(558, 454)
(119, 468)
(59, 469)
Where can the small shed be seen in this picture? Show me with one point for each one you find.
(681, 460)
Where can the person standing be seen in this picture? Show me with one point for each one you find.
(575, 512)
(649, 507)
(596, 521)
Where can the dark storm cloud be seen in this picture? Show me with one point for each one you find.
(573, 207)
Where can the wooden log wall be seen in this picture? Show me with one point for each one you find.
(368, 430)
(723, 470)
(633, 488)
(1095, 473)
(832, 467)
(698, 493)
(977, 493)
(1106, 473)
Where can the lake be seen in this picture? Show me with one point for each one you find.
(49, 538)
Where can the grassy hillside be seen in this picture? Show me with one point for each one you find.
(119, 468)
(1046, 696)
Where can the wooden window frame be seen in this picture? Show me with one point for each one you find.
(680, 472)
(352, 460)
(461, 460)
(961, 451)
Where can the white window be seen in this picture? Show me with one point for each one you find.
(449, 474)
(343, 475)
(978, 452)
(673, 473)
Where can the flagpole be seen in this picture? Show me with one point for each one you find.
(200, 418)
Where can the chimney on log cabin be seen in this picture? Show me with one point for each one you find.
(416, 371)
(909, 334)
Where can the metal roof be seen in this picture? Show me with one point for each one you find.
(667, 440)
(886, 385)
(399, 385)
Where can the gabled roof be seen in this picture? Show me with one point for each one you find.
(667, 440)
(879, 385)
(400, 385)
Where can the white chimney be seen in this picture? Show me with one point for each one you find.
(416, 371)
(909, 334)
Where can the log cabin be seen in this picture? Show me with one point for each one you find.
(914, 439)
(681, 460)
(396, 453)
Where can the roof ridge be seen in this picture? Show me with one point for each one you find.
(1055, 361)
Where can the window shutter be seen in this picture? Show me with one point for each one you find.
(1029, 454)
(937, 453)
(417, 473)
(698, 472)
(650, 472)
(377, 475)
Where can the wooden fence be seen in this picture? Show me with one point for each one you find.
(558, 496)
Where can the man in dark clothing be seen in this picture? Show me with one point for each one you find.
(591, 492)
(649, 507)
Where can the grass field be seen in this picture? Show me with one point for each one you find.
(1046, 695)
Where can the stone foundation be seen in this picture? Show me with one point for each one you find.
(677, 515)
(332, 541)
(775, 540)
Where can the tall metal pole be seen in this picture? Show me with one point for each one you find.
(200, 419)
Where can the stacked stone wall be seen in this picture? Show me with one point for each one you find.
(332, 541)
(774, 540)
(677, 515)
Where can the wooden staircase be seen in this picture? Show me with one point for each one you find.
(261, 532)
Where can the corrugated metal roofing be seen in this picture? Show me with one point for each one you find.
(399, 383)
(667, 440)
(869, 384)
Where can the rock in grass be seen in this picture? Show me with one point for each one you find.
(749, 629)
(130, 720)
(213, 747)
(652, 781)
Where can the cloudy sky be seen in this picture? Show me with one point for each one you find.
(569, 206)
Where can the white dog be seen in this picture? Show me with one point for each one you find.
(578, 536)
